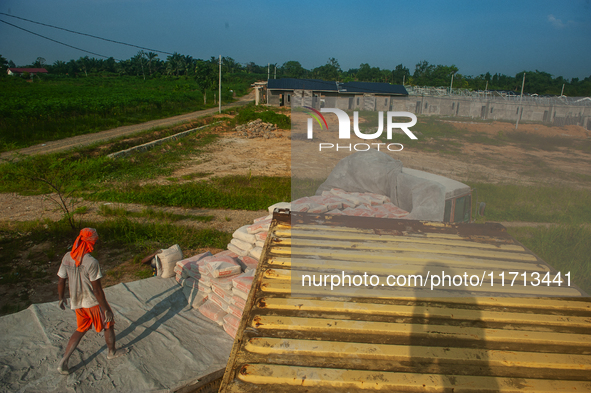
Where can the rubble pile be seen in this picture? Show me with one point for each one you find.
(257, 129)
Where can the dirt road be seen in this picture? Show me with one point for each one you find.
(82, 140)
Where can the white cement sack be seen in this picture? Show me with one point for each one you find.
(192, 283)
(239, 293)
(218, 301)
(213, 312)
(238, 302)
(194, 258)
(195, 298)
(261, 236)
(235, 311)
(230, 330)
(242, 234)
(261, 226)
(199, 299)
(270, 216)
(256, 253)
(243, 282)
(225, 295)
(166, 261)
(231, 320)
(225, 283)
(238, 251)
(259, 243)
(204, 279)
(249, 263)
(223, 266)
(300, 207)
(226, 253)
(241, 244)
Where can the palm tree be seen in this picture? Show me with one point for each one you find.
(175, 63)
(3, 64)
(151, 56)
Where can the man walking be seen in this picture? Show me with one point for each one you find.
(86, 296)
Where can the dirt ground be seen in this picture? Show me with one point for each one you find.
(537, 129)
(235, 155)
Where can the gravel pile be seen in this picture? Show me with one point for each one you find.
(257, 129)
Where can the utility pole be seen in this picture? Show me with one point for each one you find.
(403, 79)
(520, 100)
(452, 83)
(562, 91)
(275, 76)
(268, 71)
(220, 83)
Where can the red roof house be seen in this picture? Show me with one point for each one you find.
(32, 71)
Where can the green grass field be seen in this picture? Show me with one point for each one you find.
(57, 108)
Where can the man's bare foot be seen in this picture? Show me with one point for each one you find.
(63, 370)
(118, 352)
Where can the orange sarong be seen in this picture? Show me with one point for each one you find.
(86, 317)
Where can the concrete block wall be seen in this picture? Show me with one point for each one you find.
(486, 109)
(466, 107)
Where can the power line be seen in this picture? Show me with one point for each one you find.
(59, 42)
(88, 35)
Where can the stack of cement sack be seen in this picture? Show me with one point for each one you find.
(218, 285)
(250, 239)
(339, 202)
(241, 285)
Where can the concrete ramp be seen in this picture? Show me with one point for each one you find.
(172, 345)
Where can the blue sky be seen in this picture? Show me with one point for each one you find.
(477, 36)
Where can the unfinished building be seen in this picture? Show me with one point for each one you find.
(347, 96)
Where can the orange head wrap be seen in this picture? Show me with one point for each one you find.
(84, 244)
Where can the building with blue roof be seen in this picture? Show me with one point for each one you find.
(330, 94)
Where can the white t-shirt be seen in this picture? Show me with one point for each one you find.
(79, 280)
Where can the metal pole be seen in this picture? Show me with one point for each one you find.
(220, 93)
(562, 92)
(520, 99)
(452, 83)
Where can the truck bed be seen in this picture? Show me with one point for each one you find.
(405, 338)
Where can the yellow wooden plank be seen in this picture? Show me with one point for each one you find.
(282, 377)
(584, 305)
(450, 234)
(308, 245)
(322, 233)
(415, 353)
(388, 292)
(376, 261)
(290, 304)
(436, 332)
(388, 274)
(387, 255)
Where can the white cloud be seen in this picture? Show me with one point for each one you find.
(557, 23)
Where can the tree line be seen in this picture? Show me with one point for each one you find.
(205, 72)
